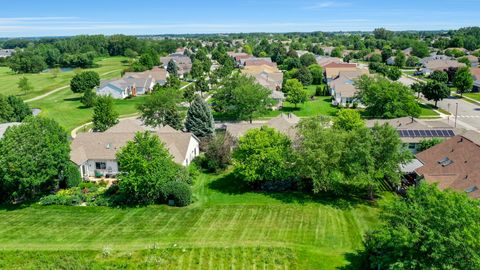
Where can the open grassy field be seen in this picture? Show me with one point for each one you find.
(65, 107)
(45, 82)
(226, 228)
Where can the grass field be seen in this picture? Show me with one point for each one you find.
(427, 111)
(65, 107)
(475, 96)
(45, 82)
(226, 228)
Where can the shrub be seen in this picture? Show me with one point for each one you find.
(183, 175)
(218, 153)
(179, 192)
(60, 200)
(71, 176)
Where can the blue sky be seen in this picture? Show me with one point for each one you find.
(72, 17)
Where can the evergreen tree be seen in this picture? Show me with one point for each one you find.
(104, 116)
(88, 98)
(199, 118)
(172, 68)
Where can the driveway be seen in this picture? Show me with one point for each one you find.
(468, 113)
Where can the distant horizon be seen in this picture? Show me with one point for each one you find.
(51, 18)
(231, 33)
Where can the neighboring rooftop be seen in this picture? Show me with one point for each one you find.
(284, 123)
(453, 164)
(104, 145)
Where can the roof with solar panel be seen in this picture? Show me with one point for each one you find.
(415, 130)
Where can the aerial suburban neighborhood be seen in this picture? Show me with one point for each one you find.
(240, 135)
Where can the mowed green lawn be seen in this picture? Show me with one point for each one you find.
(475, 96)
(318, 106)
(45, 82)
(65, 107)
(226, 228)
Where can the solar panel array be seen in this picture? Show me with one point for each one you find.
(426, 133)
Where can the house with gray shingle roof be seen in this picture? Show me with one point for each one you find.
(95, 153)
(284, 123)
(132, 83)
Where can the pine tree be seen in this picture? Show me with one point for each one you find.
(172, 68)
(88, 98)
(199, 118)
(104, 116)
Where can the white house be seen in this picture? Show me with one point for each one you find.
(117, 89)
(343, 89)
(133, 83)
(95, 153)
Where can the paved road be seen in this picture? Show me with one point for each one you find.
(468, 113)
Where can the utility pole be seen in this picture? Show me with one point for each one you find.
(448, 116)
(456, 114)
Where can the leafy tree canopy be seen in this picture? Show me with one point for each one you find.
(427, 229)
(33, 156)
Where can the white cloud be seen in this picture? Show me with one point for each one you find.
(327, 4)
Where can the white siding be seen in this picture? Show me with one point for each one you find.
(112, 167)
(107, 90)
(193, 151)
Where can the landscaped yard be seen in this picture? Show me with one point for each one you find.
(44, 82)
(226, 228)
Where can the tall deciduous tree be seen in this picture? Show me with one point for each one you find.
(463, 80)
(385, 99)
(426, 229)
(146, 167)
(160, 109)
(262, 155)
(241, 97)
(439, 76)
(317, 74)
(197, 69)
(360, 158)
(436, 91)
(84, 81)
(295, 92)
(33, 155)
(199, 118)
(20, 109)
(104, 115)
(348, 119)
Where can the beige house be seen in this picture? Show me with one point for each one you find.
(95, 153)
(343, 88)
(284, 123)
(332, 70)
(183, 62)
(268, 76)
